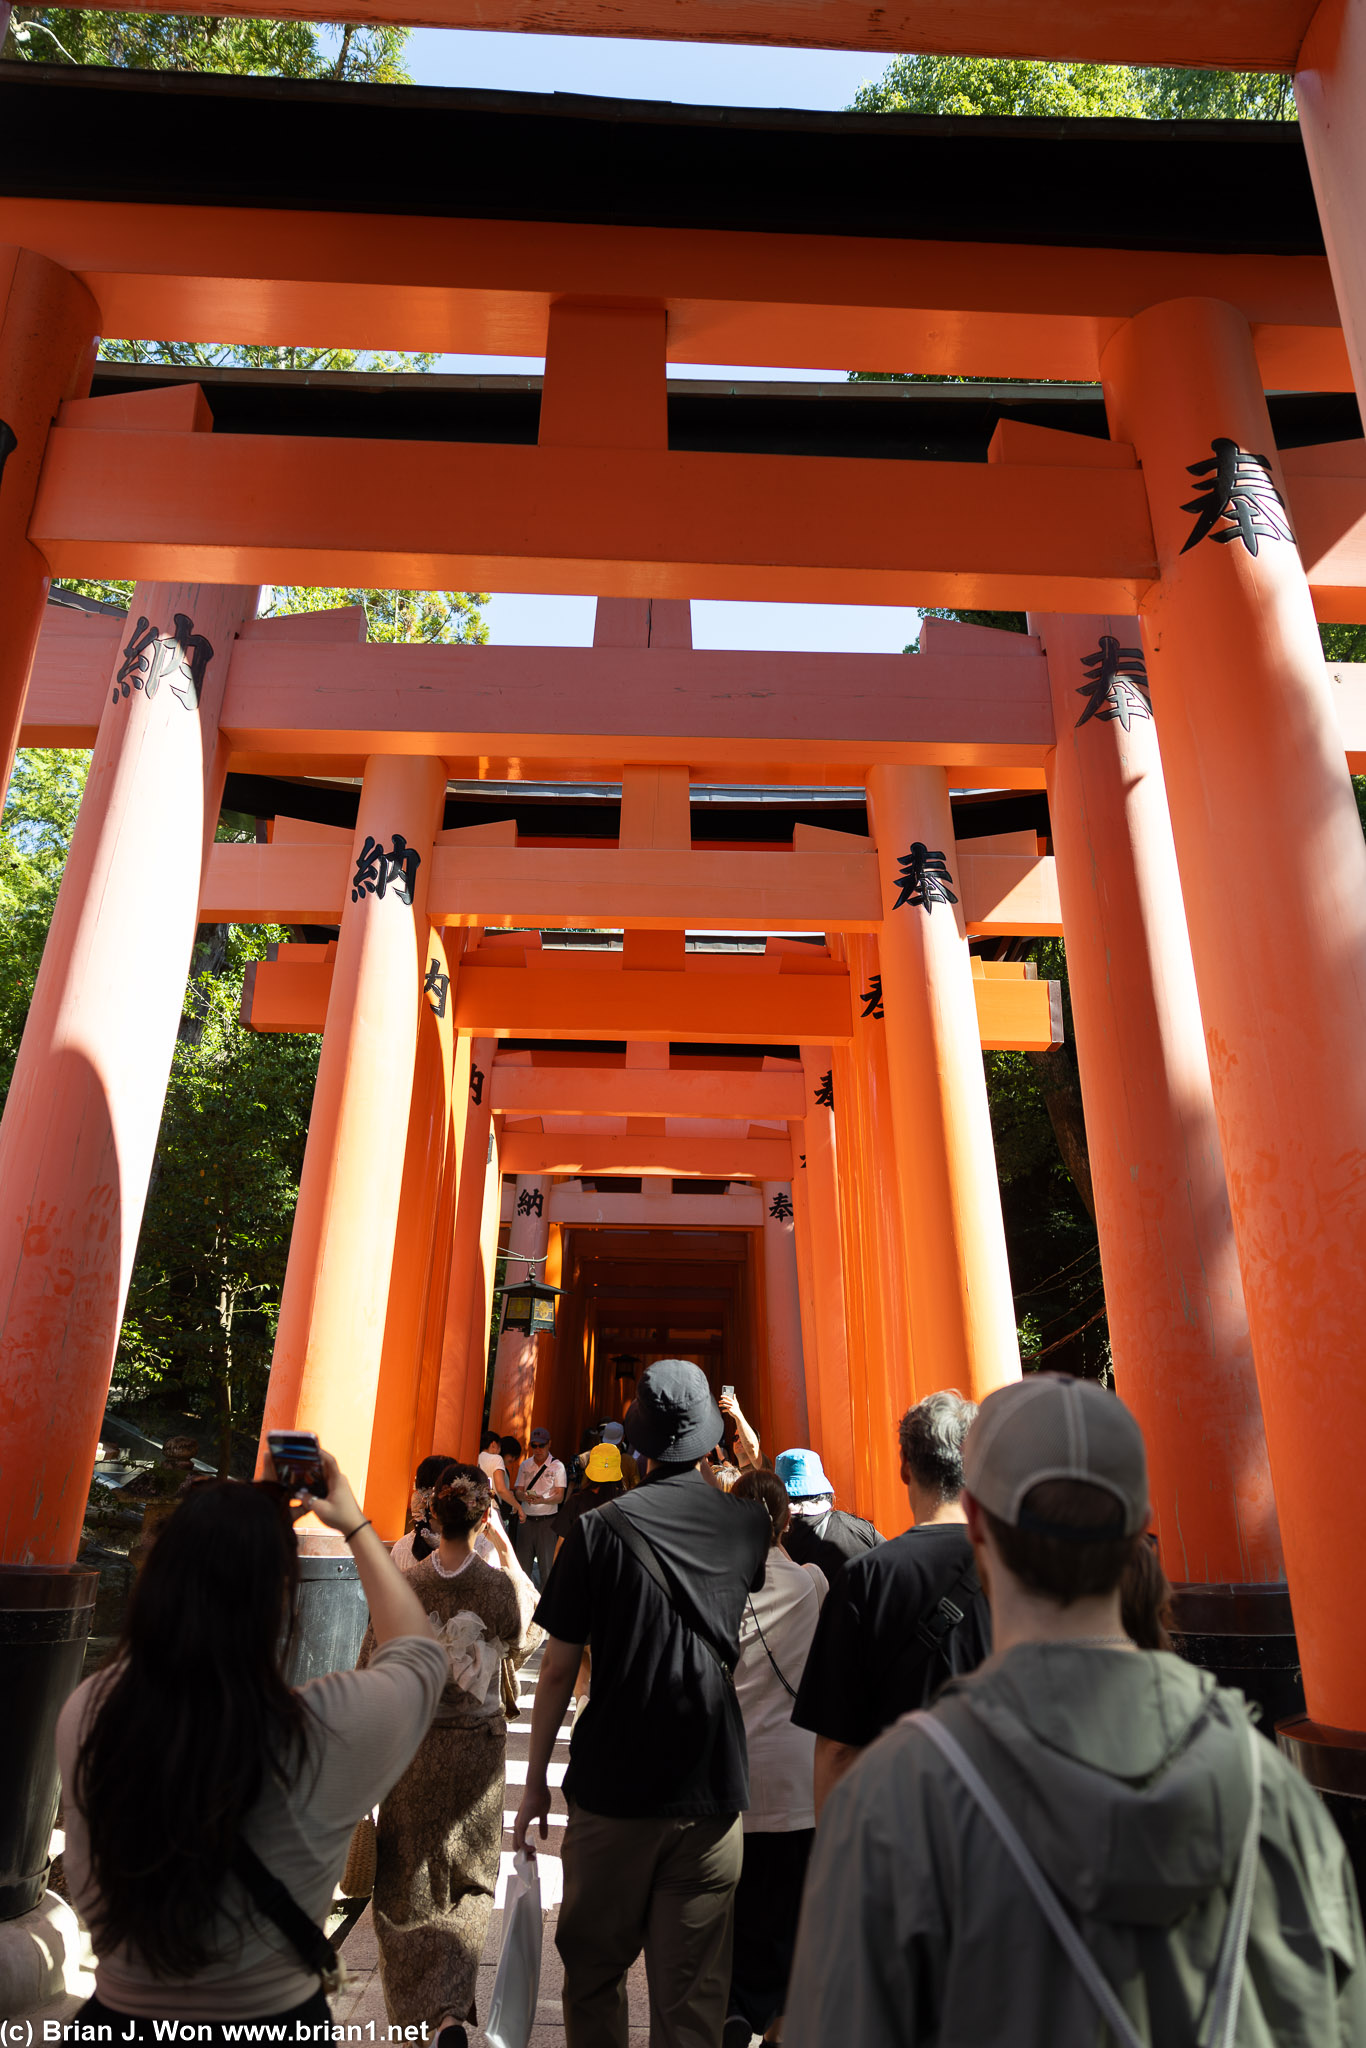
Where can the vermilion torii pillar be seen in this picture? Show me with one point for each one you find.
(48, 329)
(514, 1371)
(474, 1244)
(1273, 868)
(890, 1375)
(834, 1427)
(80, 1125)
(1330, 92)
(1173, 1292)
(782, 1303)
(398, 1394)
(958, 1277)
(330, 1337)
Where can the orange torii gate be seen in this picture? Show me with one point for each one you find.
(1189, 517)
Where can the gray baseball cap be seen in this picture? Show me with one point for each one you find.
(1051, 1426)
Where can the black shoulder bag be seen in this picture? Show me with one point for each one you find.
(280, 1906)
(934, 1629)
(644, 1554)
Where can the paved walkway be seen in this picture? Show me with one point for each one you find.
(363, 2002)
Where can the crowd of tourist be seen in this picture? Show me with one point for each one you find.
(950, 1788)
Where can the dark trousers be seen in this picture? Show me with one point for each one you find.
(665, 1886)
(535, 1544)
(313, 2012)
(768, 1901)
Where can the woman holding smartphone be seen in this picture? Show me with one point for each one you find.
(190, 1768)
(441, 1828)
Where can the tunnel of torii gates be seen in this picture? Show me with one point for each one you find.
(1172, 559)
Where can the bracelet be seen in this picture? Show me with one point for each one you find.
(366, 1524)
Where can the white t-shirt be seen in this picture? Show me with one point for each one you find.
(546, 1477)
(781, 1757)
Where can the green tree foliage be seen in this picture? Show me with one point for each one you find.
(443, 616)
(40, 815)
(205, 1297)
(214, 43)
(1016, 85)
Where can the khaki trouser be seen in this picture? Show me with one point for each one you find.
(667, 1886)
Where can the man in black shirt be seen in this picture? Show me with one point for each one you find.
(655, 1583)
(819, 1532)
(902, 1619)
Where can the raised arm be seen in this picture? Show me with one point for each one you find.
(395, 1609)
(747, 1452)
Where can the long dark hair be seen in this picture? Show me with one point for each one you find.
(192, 1721)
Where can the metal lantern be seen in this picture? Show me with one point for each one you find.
(626, 1363)
(530, 1306)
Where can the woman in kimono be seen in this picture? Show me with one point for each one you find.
(441, 1828)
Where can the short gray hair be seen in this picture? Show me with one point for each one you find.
(932, 1435)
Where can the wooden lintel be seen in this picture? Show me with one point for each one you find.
(686, 1158)
(637, 1091)
(949, 308)
(249, 508)
(560, 1000)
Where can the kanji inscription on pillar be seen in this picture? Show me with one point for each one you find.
(529, 1202)
(437, 986)
(924, 879)
(180, 656)
(1239, 488)
(1116, 684)
(476, 1085)
(825, 1094)
(9, 441)
(871, 998)
(780, 1208)
(381, 874)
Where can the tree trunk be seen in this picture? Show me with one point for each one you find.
(223, 1389)
(1061, 1091)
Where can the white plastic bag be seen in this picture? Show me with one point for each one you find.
(512, 2008)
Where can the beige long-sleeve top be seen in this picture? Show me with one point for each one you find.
(364, 1729)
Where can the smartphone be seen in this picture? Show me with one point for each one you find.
(730, 1391)
(298, 1460)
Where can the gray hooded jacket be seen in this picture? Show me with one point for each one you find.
(1127, 1775)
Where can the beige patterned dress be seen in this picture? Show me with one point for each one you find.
(441, 1828)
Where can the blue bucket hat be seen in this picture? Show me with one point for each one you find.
(802, 1474)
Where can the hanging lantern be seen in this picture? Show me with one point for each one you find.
(530, 1306)
(626, 1363)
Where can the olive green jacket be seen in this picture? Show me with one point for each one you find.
(1127, 1774)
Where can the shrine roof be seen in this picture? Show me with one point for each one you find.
(927, 422)
(271, 143)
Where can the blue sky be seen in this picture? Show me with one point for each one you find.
(698, 74)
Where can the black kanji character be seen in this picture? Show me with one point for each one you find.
(138, 658)
(802, 1162)
(872, 997)
(529, 1202)
(377, 872)
(181, 653)
(924, 879)
(780, 1209)
(825, 1094)
(476, 1085)
(1238, 487)
(1116, 683)
(9, 441)
(436, 986)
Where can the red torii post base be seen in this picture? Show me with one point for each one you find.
(1273, 870)
(1173, 1291)
(77, 1144)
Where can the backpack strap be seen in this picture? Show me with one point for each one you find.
(304, 1936)
(934, 1629)
(643, 1551)
(1226, 1986)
